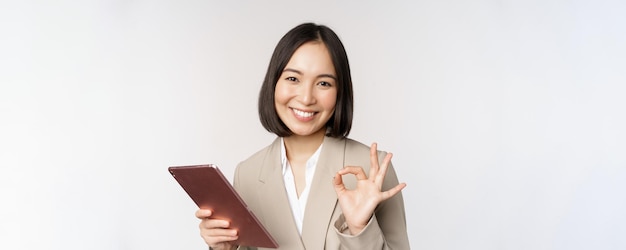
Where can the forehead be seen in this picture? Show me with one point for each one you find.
(312, 57)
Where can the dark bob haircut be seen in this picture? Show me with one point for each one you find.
(340, 122)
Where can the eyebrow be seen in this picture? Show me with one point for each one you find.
(318, 76)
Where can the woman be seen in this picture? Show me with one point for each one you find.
(299, 186)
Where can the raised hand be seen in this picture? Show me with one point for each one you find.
(358, 204)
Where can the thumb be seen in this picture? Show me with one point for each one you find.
(338, 184)
(203, 213)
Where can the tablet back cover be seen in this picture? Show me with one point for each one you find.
(209, 189)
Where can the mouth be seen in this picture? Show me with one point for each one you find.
(303, 114)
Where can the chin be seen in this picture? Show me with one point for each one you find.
(302, 133)
(305, 133)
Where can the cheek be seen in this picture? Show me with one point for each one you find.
(329, 99)
(280, 94)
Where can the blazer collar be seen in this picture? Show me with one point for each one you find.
(273, 190)
(322, 197)
(271, 163)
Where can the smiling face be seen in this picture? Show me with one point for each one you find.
(306, 91)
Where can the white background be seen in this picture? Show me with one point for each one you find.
(506, 118)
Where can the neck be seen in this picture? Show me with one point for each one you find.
(303, 146)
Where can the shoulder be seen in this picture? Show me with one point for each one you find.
(356, 151)
(252, 168)
(260, 156)
(357, 147)
(345, 144)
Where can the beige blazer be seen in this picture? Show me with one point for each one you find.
(259, 181)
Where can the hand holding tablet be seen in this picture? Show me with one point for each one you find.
(209, 189)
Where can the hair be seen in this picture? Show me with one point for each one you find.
(340, 122)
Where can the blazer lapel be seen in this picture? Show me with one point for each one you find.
(322, 197)
(280, 221)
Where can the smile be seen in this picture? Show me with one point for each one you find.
(303, 113)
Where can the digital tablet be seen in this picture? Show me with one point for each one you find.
(209, 189)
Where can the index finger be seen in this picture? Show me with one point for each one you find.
(358, 172)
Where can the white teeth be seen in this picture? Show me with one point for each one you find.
(303, 114)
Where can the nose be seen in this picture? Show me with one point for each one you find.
(307, 94)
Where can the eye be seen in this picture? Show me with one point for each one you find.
(291, 78)
(325, 84)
